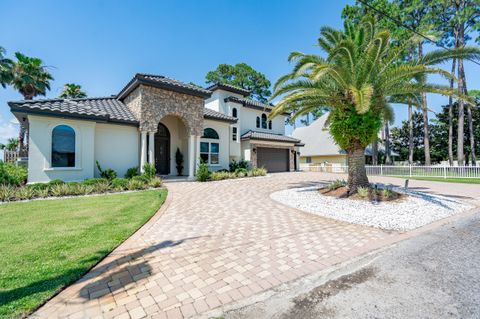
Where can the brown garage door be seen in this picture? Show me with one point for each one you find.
(273, 159)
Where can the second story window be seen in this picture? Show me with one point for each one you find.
(270, 125)
(234, 134)
(234, 112)
(258, 122)
(264, 121)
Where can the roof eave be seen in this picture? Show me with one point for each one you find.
(213, 118)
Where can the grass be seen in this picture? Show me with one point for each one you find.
(46, 245)
(448, 180)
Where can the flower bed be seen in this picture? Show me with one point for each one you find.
(204, 175)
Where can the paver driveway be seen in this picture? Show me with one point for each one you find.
(214, 243)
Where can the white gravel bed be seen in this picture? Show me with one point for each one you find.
(412, 211)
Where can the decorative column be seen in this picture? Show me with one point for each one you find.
(197, 152)
(191, 156)
(151, 148)
(143, 150)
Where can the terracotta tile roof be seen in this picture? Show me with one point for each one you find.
(214, 115)
(163, 82)
(251, 104)
(101, 108)
(255, 135)
(229, 88)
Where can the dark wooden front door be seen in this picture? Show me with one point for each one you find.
(162, 150)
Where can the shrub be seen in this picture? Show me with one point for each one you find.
(203, 174)
(234, 165)
(149, 171)
(241, 172)
(363, 191)
(42, 192)
(387, 192)
(54, 182)
(108, 173)
(141, 178)
(101, 187)
(135, 184)
(132, 171)
(22, 193)
(12, 174)
(218, 176)
(336, 184)
(119, 184)
(259, 171)
(7, 193)
(94, 181)
(38, 186)
(60, 190)
(155, 182)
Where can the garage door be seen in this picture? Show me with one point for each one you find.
(273, 159)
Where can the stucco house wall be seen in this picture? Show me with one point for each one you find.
(40, 150)
(330, 159)
(223, 130)
(116, 147)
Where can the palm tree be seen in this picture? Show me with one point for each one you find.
(31, 78)
(361, 75)
(12, 144)
(72, 91)
(5, 69)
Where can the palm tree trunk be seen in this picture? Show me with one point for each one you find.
(375, 152)
(426, 138)
(357, 174)
(388, 153)
(471, 133)
(461, 108)
(450, 118)
(410, 134)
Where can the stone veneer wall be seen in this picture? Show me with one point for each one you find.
(150, 105)
(253, 153)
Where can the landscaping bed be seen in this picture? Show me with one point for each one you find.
(237, 170)
(412, 210)
(47, 245)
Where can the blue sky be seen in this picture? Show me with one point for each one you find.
(102, 44)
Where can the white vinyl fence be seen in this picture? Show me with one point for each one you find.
(402, 171)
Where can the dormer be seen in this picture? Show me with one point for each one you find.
(220, 92)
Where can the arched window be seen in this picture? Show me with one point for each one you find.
(258, 122)
(264, 121)
(63, 146)
(210, 133)
(270, 125)
(234, 112)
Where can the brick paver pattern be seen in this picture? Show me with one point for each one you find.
(215, 243)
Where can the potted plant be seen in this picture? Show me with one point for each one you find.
(179, 161)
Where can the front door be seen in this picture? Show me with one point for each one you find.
(162, 150)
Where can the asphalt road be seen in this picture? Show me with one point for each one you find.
(433, 275)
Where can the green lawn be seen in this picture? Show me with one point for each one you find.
(46, 245)
(447, 180)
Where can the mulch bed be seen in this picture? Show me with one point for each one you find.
(342, 192)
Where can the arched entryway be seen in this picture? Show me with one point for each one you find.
(162, 150)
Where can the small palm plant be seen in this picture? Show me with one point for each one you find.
(359, 78)
(72, 91)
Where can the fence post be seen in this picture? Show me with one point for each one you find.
(445, 172)
(410, 170)
(381, 169)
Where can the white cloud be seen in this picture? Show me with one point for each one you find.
(7, 129)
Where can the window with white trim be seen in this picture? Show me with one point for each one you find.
(234, 112)
(264, 121)
(209, 152)
(63, 146)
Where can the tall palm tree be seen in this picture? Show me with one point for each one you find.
(72, 91)
(5, 69)
(360, 76)
(31, 78)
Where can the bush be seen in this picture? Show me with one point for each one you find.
(94, 181)
(38, 186)
(155, 182)
(387, 193)
(259, 171)
(203, 174)
(42, 192)
(101, 187)
(23, 193)
(54, 182)
(218, 176)
(141, 178)
(234, 165)
(12, 174)
(7, 193)
(363, 191)
(336, 184)
(108, 173)
(132, 171)
(149, 171)
(135, 184)
(241, 172)
(179, 161)
(60, 190)
(119, 184)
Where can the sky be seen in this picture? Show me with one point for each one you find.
(102, 44)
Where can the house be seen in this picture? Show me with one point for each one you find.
(146, 122)
(320, 148)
